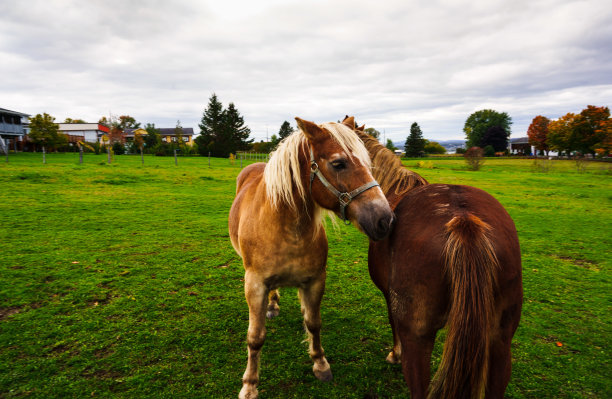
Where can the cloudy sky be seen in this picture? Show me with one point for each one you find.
(389, 63)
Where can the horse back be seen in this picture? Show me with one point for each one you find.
(412, 257)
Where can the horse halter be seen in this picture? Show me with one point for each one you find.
(344, 198)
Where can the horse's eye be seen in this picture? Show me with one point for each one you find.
(339, 164)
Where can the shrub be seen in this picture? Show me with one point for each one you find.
(474, 158)
(425, 165)
(489, 151)
(460, 150)
(118, 148)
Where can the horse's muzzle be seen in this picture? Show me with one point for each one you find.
(376, 220)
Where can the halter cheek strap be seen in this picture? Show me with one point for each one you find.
(344, 198)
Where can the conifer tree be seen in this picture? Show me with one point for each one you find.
(285, 130)
(236, 132)
(415, 144)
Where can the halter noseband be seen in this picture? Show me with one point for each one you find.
(343, 198)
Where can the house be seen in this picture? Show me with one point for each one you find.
(13, 128)
(167, 134)
(520, 146)
(89, 132)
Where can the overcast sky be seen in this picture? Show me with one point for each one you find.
(390, 63)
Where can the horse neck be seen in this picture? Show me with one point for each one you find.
(305, 214)
(394, 179)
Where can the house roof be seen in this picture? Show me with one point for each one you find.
(8, 111)
(520, 140)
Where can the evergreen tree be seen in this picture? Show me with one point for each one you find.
(285, 130)
(415, 144)
(222, 132)
(211, 127)
(237, 132)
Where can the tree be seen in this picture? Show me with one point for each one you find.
(497, 138)
(590, 128)
(222, 131)
(477, 124)
(538, 133)
(153, 138)
(390, 145)
(127, 122)
(433, 147)
(178, 132)
(70, 120)
(44, 131)
(373, 132)
(210, 127)
(561, 135)
(415, 144)
(237, 132)
(285, 130)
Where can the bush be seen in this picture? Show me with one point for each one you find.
(489, 151)
(474, 158)
(118, 148)
(460, 150)
(425, 165)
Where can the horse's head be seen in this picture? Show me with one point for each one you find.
(340, 178)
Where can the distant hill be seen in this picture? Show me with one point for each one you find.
(450, 145)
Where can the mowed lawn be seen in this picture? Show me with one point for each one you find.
(120, 281)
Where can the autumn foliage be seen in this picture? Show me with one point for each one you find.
(589, 132)
(538, 133)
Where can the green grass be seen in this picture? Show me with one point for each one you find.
(120, 281)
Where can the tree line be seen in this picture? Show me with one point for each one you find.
(589, 132)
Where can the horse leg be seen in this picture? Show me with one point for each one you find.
(255, 292)
(310, 299)
(499, 368)
(273, 308)
(416, 357)
(395, 356)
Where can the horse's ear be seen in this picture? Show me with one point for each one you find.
(310, 129)
(361, 128)
(349, 121)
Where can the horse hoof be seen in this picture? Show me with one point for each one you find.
(270, 314)
(391, 358)
(248, 391)
(325, 375)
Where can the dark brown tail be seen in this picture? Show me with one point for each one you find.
(471, 266)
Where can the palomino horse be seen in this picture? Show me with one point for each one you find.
(453, 259)
(275, 225)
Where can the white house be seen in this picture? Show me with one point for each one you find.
(90, 132)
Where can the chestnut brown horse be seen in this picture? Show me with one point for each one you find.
(452, 259)
(275, 225)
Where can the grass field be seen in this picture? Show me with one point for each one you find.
(120, 281)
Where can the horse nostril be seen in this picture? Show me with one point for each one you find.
(384, 224)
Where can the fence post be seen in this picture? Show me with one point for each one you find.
(209, 159)
(44, 155)
(241, 156)
(80, 155)
(175, 160)
(141, 157)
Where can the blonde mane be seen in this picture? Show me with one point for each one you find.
(282, 173)
(388, 169)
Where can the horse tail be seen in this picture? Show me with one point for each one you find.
(471, 265)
